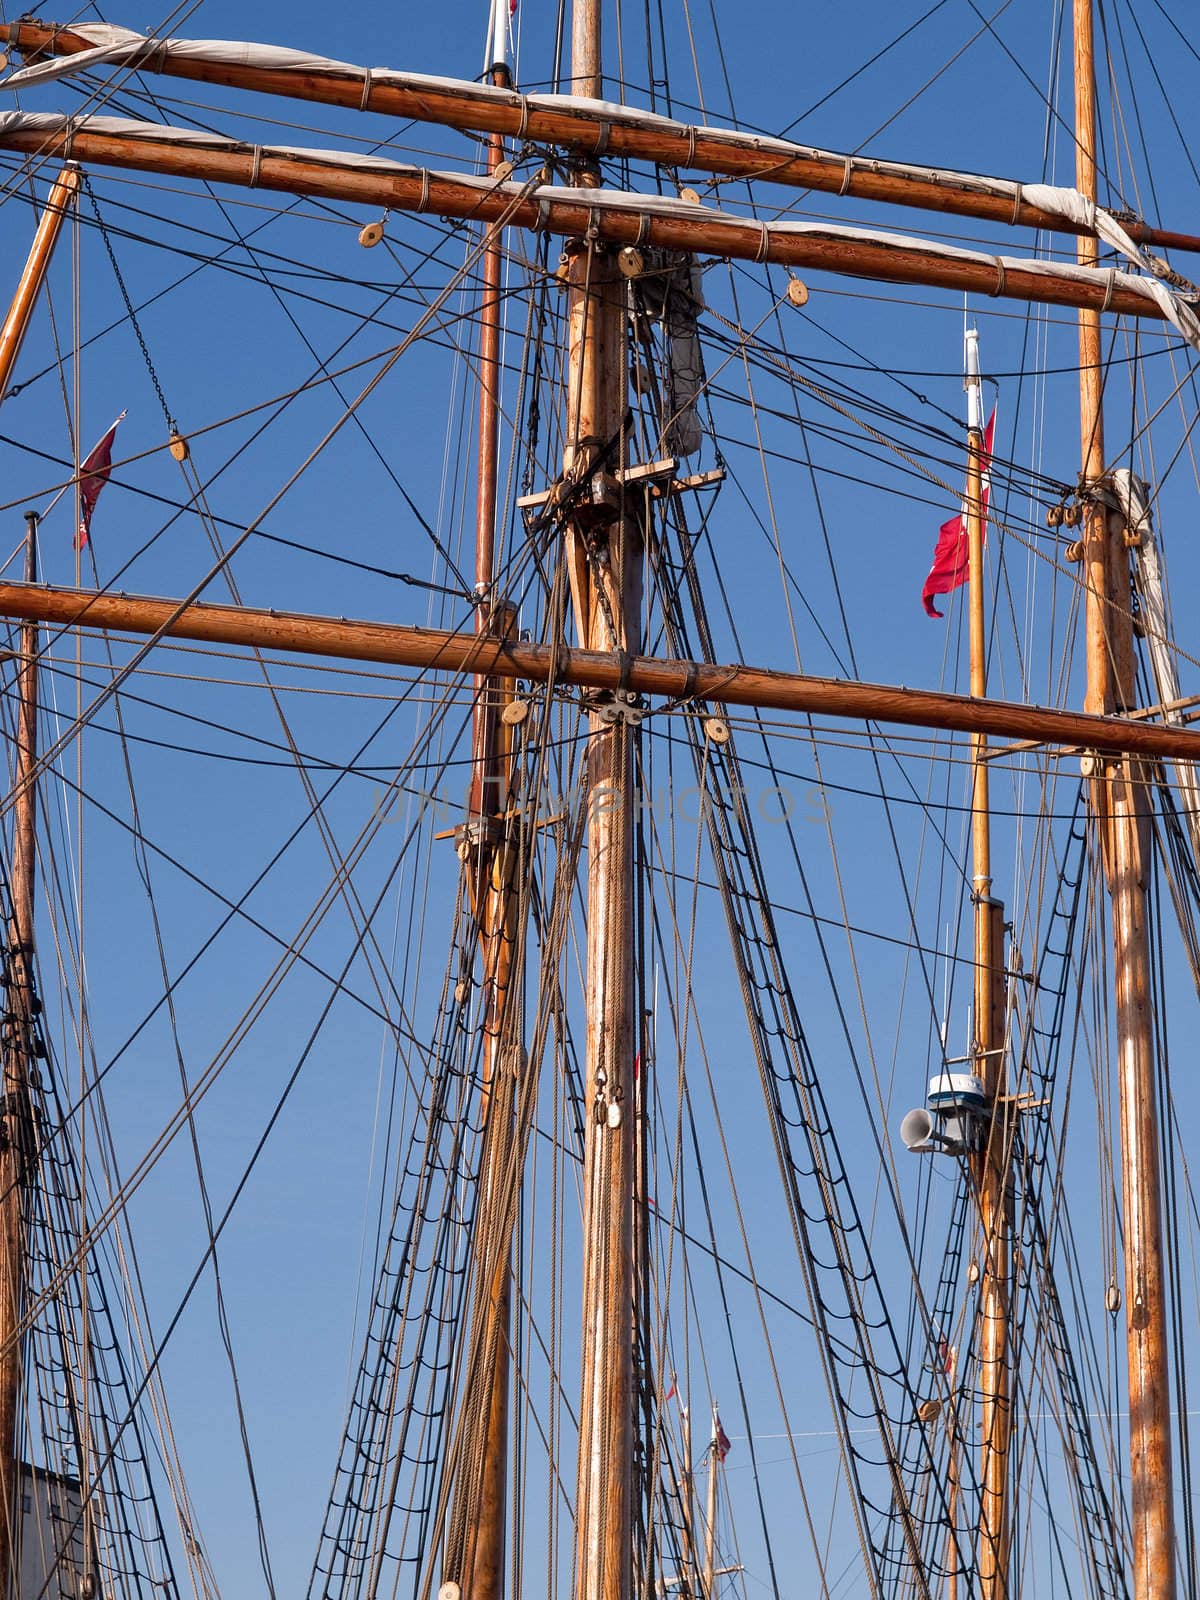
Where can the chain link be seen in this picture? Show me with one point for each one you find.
(129, 311)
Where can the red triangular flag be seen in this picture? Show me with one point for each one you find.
(93, 475)
(952, 558)
(721, 1442)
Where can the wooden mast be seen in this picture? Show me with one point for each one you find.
(12, 334)
(604, 567)
(488, 850)
(440, 650)
(15, 1123)
(604, 562)
(1118, 797)
(989, 1166)
(16, 1038)
(708, 1586)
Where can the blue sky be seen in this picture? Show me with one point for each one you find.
(855, 534)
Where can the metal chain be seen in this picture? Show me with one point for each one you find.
(172, 427)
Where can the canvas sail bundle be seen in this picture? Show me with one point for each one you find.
(628, 217)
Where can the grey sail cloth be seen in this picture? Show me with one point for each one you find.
(1133, 499)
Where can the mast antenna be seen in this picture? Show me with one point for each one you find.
(971, 380)
(499, 50)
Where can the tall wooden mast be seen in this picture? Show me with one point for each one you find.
(16, 1047)
(604, 559)
(1118, 797)
(604, 555)
(708, 1585)
(989, 1166)
(16, 1029)
(489, 850)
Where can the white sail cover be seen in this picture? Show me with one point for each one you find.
(122, 46)
(1069, 203)
(125, 47)
(1173, 306)
(1133, 498)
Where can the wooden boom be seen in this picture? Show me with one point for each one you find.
(618, 219)
(393, 644)
(602, 128)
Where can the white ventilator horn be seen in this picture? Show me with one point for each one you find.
(916, 1131)
(919, 1133)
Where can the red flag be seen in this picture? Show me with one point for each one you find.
(93, 475)
(721, 1442)
(952, 557)
(670, 1394)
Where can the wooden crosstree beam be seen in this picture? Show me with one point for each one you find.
(436, 649)
(598, 128)
(617, 219)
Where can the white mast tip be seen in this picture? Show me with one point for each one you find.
(499, 45)
(971, 379)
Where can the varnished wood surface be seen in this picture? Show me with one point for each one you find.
(720, 151)
(734, 685)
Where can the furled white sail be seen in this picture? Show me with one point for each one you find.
(1133, 497)
(773, 237)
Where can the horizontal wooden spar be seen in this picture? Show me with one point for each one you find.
(614, 130)
(618, 218)
(434, 649)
